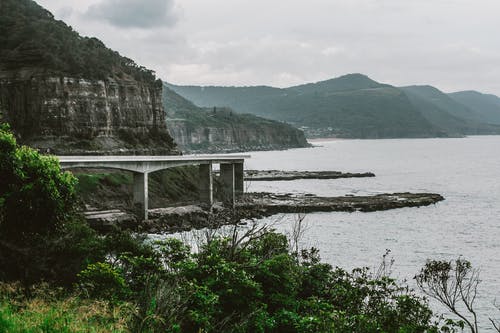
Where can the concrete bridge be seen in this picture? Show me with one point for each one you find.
(231, 172)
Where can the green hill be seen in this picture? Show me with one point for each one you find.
(217, 129)
(349, 106)
(31, 38)
(452, 117)
(486, 106)
(356, 106)
(343, 83)
(68, 94)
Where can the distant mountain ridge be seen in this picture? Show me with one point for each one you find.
(354, 106)
(487, 105)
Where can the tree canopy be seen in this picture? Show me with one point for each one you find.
(35, 196)
(32, 38)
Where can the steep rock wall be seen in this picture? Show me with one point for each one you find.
(66, 115)
(235, 137)
(219, 129)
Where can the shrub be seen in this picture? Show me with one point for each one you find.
(101, 280)
(35, 196)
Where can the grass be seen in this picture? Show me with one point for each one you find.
(113, 189)
(89, 182)
(47, 312)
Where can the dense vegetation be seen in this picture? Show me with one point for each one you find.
(241, 131)
(246, 280)
(353, 106)
(58, 275)
(486, 106)
(32, 39)
(445, 112)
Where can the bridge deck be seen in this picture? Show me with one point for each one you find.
(144, 158)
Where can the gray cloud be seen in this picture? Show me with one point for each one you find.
(450, 44)
(135, 13)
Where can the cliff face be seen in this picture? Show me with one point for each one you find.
(235, 137)
(223, 130)
(66, 115)
(70, 94)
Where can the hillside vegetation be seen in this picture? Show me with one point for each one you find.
(68, 94)
(444, 112)
(32, 38)
(486, 106)
(217, 129)
(353, 106)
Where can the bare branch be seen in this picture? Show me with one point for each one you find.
(450, 283)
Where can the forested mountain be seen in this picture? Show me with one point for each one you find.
(219, 129)
(352, 106)
(452, 117)
(69, 94)
(442, 101)
(486, 106)
(343, 83)
(31, 38)
(349, 106)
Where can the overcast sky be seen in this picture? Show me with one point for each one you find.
(451, 44)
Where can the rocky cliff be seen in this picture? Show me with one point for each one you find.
(223, 130)
(78, 116)
(234, 137)
(71, 94)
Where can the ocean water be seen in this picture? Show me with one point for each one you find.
(466, 171)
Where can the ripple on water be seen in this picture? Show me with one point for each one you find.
(467, 223)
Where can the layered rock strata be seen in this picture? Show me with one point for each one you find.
(66, 115)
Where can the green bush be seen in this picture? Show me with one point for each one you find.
(35, 196)
(257, 285)
(101, 280)
(41, 238)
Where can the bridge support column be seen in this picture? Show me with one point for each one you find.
(206, 187)
(228, 188)
(239, 184)
(141, 194)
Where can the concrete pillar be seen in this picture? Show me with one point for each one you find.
(206, 187)
(239, 184)
(227, 179)
(141, 194)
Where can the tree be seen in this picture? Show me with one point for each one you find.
(36, 197)
(454, 285)
(40, 236)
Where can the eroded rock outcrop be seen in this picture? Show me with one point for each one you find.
(80, 116)
(70, 94)
(238, 136)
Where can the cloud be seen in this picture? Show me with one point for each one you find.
(64, 13)
(135, 13)
(446, 43)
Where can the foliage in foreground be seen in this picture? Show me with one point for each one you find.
(249, 282)
(50, 311)
(256, 285)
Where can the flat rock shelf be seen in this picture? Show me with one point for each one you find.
(275, 175)
(269, 203)
(254, 205)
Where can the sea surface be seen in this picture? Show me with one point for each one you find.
(466, 171)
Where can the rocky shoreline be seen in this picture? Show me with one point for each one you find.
(253, 205)
(274, 175)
